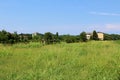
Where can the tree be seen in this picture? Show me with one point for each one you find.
(69, 39)
(57, 37)
(3, 36)
(16, 37)
(10, 38)
(7, 37)
(57, 34)
(48, 38)
(36, 38)
(107, 37)
(95, 36)
(83, 37)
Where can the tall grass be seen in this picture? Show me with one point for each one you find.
(77, 61)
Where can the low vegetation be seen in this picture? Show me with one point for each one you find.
(93, 60)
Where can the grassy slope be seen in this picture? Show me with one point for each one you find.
(78, 61)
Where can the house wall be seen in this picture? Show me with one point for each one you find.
(101, 36)
(88, 36)
(34, 34)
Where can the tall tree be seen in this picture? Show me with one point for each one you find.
(48, 38)
(57, 34)
(57, 37)
(3, 36)
(83, 37)
(16, 37)
(95, 35)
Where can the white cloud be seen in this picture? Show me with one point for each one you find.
(113, 26)
(110, 28)
(105, 14)
(106, 28)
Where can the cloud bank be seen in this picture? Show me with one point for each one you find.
(105, 14)
(107, 28)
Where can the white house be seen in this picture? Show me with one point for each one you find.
(35, 34)
(88, 36)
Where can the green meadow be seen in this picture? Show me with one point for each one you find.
(93, 60)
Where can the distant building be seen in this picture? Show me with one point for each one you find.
(100, 35)
(88, 36)
(35, 34)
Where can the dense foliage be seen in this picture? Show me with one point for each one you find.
(8, 38)
(50, 38)
(111, 37)
(83, 37)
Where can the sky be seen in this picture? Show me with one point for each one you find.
(63, 16)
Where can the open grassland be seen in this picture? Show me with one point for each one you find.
(78, 61)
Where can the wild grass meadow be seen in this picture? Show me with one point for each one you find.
(93, 60)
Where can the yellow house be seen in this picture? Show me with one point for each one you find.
(100, 35)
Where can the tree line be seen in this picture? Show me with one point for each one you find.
(50, 38)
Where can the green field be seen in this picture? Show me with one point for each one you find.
(94, 60)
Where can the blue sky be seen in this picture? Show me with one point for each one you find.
(63, 16)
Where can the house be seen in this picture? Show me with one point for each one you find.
(88, 36)
(100, 35)
(35, 34)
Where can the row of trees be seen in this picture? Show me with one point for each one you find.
(7, 37)
(12, 38)
(50, 38)
(111, 37)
